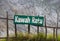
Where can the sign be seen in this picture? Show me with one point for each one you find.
(33, 20)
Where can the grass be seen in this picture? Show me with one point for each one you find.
(33, 37)
(2, 39)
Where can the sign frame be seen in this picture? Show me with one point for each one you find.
(30, 18)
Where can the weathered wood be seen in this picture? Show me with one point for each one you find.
(57, 26)
(7, 28)
(37, 29)
(45, 29)
(15, 32)
(53, 34)
(15, 29)
(28, 28)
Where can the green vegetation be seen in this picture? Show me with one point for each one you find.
(2, 39)
(33, 37)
